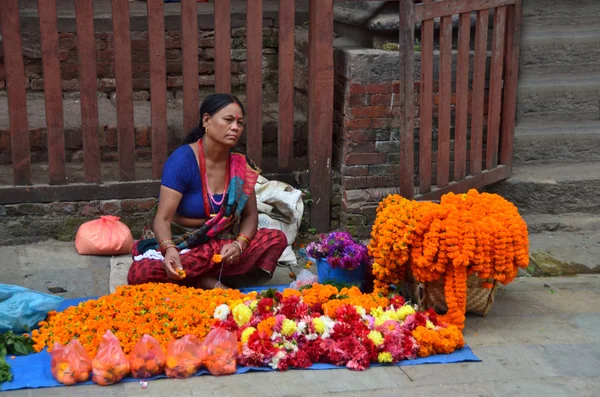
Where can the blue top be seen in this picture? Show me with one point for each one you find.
(182, 173)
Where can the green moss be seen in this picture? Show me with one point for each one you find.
(390, 46)
(69, 229)
(549, 265)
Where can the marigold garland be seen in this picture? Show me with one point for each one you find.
(472, 233)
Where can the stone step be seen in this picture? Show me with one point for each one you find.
(561, 12)
(552, 188)
(564, 252)
(558, 97)
(569, 222)
(559, 49)
(557, 142)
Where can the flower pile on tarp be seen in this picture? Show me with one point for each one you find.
(289, 329)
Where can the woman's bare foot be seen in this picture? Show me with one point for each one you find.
(211, 283)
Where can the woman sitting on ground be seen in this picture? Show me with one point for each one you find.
(207, 206)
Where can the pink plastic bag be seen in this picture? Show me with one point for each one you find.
(220, 352)
(70, 364)
(104, 236)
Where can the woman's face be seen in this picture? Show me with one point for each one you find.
(225, 126)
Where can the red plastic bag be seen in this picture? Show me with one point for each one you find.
(104, 236)
(220, 352)
(147, 359)
(184, 357)
(110, 364)
(70, 364)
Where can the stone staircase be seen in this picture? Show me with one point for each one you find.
(556, 174)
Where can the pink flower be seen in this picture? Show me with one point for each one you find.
(278, 322)
(347, 314)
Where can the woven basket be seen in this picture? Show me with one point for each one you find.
(431, 295)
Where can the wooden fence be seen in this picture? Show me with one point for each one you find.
(466, 102)
(320, 97)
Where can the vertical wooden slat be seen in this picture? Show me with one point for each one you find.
(17, 100)
(254, 41)
(223, 46)
(445, 107)
(285, 134)
(406, 97)
(158, 84)
(510, 85)
(426, 103)
(189, 43)
(320, 109)
(86, 49)
(124, 89)
(462, 98)
(477, 109)
(52, 91)
(496, 82)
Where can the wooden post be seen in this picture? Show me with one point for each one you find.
(285, 126)
(462, 98)
(15, 85)
(254, 43)
(158, 85)
(52, 91)
(425, 103)
(223, 46)
(86, 49)
(189, 43)
(406, 96)
(320, 110)
(124, 83)
(496, 81)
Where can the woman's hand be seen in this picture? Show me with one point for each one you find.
(172, 264)
(231, 253)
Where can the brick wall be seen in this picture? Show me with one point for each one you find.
(140, 61)
(24, 223)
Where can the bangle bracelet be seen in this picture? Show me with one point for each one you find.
(239, 245)
(243, 238)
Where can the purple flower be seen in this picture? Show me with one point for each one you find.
(340, 250)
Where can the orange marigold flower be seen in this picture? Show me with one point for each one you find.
(217, 258)
(475, 233)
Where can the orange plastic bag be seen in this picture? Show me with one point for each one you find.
(104, 236)
(70, 364)
(220, 352)
(184, 357)
(110, 364)
(147, 359)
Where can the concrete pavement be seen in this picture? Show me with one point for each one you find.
(540, 339)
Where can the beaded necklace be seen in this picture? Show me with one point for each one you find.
(209, 201)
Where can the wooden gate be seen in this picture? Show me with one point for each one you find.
(482, 135)
(320, 97)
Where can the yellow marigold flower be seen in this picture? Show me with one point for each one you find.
(360, 310)
(241, 314)
(429, 325)
(405, 311)
(377, 312)
(246, 334)
(253, 304)
(319, 325)
(288, 327)
(376, 338)
(385, 357)
(385, 317)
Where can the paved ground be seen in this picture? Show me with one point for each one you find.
(540, 339)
